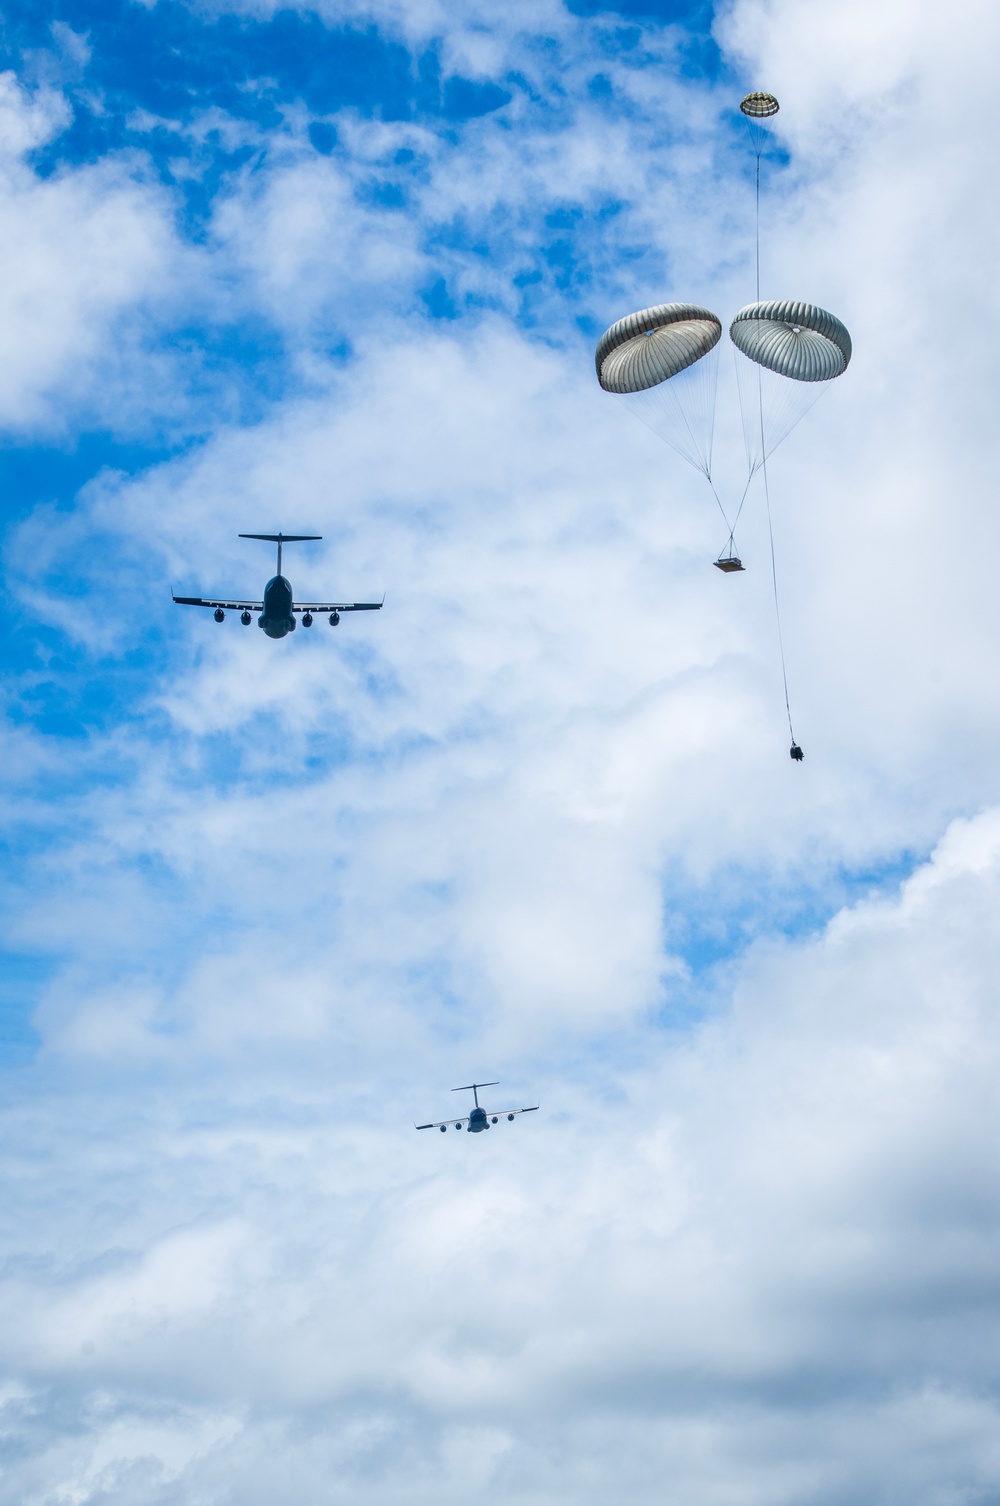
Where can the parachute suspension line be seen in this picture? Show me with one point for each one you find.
(706, 471)
(774, 581)
(732, 530)
(718, 499)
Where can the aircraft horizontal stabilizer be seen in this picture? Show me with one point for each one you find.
(283, 538)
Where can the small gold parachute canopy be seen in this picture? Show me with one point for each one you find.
(758, 105)
(653, 345)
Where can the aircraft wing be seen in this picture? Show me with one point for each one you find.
(337, 606)
(232, 606)
(490, 1114)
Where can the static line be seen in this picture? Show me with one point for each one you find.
(774, 567)
(757, 222)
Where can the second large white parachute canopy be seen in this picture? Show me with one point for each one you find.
(663, 362)
(789, 353)
(796, 340)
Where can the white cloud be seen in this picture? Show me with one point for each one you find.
(28, 120)
(79, 249)
(764, 1271)
(746, 1250)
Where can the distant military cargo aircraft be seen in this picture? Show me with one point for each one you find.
(277, 610)
(479, 1119)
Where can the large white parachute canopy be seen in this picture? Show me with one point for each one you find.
(663, 363)
(788, 354)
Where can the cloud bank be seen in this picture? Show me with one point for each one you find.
(267, 903)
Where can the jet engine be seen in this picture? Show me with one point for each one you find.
(219, 615)
(334, 618)
(307, 619)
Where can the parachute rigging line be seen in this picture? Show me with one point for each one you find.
(718, 499)
(732, 526)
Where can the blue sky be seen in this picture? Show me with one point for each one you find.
(340, 269)
(152, 89)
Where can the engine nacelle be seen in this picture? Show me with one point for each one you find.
(245, 619)
(510, 1116)
(444, 1129)
(494, 1119)
(219, 615)
(307, 619)
(334, 618)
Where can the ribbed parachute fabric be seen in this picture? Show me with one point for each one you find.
(654, 344)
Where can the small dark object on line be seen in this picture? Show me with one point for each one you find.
(731, 562)
(796, 752)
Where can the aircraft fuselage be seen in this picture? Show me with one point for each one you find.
(277, 618)
(478, 1120)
